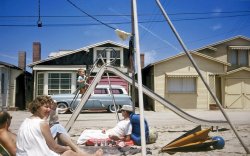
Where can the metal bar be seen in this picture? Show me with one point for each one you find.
(132, 56)
(141, 104)
(84, 99)
(198, 71)
(113, 99)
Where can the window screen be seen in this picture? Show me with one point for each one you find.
(181, 84)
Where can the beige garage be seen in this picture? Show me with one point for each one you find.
(237, 93)
(237, 89)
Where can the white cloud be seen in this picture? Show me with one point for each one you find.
(216, 27)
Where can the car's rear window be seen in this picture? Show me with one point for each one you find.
(105, 91)
(117, 91)
(101, 91)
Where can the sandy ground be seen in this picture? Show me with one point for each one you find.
(168, 125)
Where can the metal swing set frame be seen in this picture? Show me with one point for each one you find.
(143, 89)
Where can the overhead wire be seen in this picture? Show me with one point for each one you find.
(99, 21)
(156, 21)
(115, 15)
(150, 26)
(126, 22)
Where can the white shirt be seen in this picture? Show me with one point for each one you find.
(81, 78)
(122, 129)
(30, 140)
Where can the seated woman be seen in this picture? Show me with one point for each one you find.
(121, 131)
(7, 138)
(58, 131)
(34, 136)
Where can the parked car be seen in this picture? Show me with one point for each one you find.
(100, 99)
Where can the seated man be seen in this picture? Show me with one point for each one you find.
(7, 138)
(121, 131)
(123, 128)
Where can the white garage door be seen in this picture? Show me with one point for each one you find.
(237, 93)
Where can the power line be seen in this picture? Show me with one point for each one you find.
(126, 22)
(111, 15)
(90, 15)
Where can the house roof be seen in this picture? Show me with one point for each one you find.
(195, 53)
(9, 65)
(221, 42)
(210, 46)
(78, 50)
(237, 70)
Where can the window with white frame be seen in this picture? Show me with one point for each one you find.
(40, 83)
(181, 84)
(239, 57)
(103, 54)
(109, 54)
(115, 55)
(59, 83)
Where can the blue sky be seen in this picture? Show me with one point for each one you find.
(198, 22)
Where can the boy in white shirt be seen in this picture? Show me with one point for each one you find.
(81, 80)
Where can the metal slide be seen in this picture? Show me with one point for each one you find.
(146, 91)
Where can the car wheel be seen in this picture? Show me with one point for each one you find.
(112, 108)
(62, 106)
(71, 109)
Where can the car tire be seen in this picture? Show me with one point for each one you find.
(111, 108)
(71, 109)
(63, 106)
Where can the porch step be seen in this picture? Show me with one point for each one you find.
(213, 107)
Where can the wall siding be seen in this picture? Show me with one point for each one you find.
(182, 65)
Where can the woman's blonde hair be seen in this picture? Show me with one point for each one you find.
(40, 101)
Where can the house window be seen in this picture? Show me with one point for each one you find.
(40, 83)
(109, 55)
(239, 57)
(59, 83)
(115, 55)
(181, 84)
(103, 54)
(2, 83)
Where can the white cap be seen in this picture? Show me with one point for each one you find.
(127, 108)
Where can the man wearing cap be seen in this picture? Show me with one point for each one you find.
(123, 128)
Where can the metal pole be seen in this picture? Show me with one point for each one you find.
(113, 99)
(132, 58)
(137, 46)
(198, 71)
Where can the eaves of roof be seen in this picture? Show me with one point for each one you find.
(221, 42)
(210, 46)
(237, 70)
(9, 65)
(195, 53)
(78, 50)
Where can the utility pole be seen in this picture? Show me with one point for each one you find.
(138, 61)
